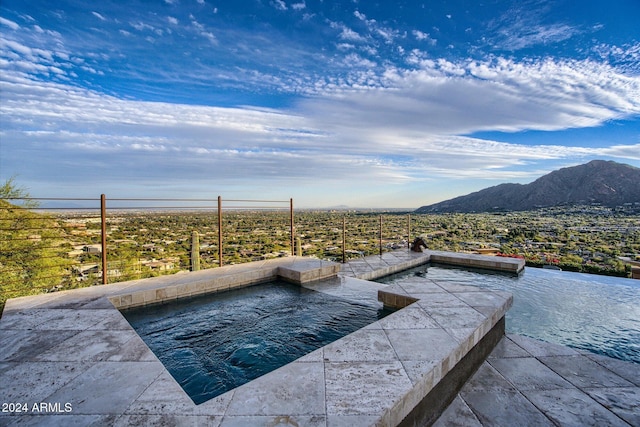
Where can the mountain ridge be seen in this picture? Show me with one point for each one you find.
(603, 182)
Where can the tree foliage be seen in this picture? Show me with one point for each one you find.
(32, 246)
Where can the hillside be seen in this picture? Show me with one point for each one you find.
(604, 182)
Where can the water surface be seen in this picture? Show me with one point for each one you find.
(600, 314)
(214, 343)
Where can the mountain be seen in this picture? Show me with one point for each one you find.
(604, 182)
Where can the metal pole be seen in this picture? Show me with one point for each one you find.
(408, 231)
(344, 239)
(292, 227)
(380, 235)
(220, 231)
(103, 237)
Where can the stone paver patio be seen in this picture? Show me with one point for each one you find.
(75, 353)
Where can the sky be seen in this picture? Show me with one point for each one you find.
(332, 103)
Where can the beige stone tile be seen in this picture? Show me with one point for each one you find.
(296, 389)
(364, 344)
(364, 388)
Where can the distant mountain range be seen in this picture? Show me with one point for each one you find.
(603, 182)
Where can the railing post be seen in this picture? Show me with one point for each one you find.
(103, 236)
(292, 226)
(380, 235)
(219, 231)
(408, 231)
(344, 239)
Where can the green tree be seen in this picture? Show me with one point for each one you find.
(32, 246)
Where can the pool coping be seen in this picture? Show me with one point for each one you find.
(375, 376)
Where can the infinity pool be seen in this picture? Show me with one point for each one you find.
(215, 343)
(596, 313)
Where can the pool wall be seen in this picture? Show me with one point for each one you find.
(296, 270)
(374, 267)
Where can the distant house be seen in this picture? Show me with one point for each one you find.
(162, 265)
(93, 249)
(83, 272)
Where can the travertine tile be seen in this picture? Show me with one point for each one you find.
(364, 344)
(412, 317)
(26, 345)
(34, 382)
(296, 389)
(94, 391)
(571, 408)
(584, 372)
(507, 348)
(421, 344)
(528, 373)
(504, 408)
(364, 388)
(458, 414)
(456, 317)
(623, 401)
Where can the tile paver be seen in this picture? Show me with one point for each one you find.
(566, 389)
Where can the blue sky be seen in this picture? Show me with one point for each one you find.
(358, 103)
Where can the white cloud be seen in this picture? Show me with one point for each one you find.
(99, 16)
(299, 6)
(9, 23)
(141, 26)
(526, 25)
(350, 35)
(279, 4)
(172, 20)
(420, 36)
(526, 36)
(410, 130)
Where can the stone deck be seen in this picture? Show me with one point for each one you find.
(75, 353)
(526, 382)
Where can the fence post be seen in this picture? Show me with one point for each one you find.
(103, 236)
(380, 235)
(292, 226)
(408, 231)
(195, 251)
(219, 231)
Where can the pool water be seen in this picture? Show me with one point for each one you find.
(600, 314)
(214, 343)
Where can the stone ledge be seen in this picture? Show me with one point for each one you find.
(295, 270)
(488, 262)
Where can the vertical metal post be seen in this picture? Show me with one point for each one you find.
(344, 239)
(103, 236)
(292, 226)
(220, 231)
(408, 231)
(380, 235)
